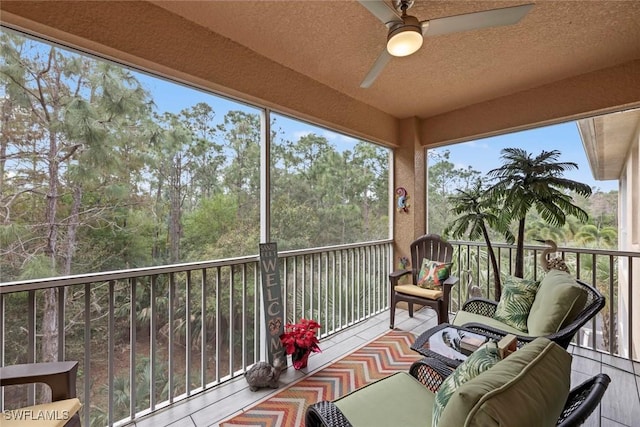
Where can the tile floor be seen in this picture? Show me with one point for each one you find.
(620, 405)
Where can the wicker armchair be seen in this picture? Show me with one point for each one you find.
(59, 376)
(482, 306)
(433, 247)
(581, 402)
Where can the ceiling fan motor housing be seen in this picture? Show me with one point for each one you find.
(406, 35)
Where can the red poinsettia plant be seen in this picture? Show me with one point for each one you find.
(299, 339)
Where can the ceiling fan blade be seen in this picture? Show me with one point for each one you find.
(376, 69)
(475, 21)
(381, 10)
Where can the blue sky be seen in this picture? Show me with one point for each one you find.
(483, 154)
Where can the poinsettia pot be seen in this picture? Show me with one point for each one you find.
(300, 357)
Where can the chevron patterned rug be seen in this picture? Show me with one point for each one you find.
(382, 357)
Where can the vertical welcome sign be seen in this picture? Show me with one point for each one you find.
(272, 301)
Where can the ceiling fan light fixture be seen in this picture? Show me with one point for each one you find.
(406, 38)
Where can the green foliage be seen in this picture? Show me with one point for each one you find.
(444, 179)
(94, 178)
(334, 196)
(591, 235)
(524, 182)
(553, 207)
(98, 179)
(476, 211)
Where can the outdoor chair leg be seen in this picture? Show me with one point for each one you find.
(392, 310)
(443, 314)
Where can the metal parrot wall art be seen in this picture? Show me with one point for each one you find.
(402, 199)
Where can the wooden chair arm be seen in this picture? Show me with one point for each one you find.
(60, 376)
(450, 281)
(396, 275)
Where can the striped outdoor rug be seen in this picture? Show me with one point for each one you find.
(381, 357)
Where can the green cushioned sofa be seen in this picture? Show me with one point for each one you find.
(561, 307)
(528, 388)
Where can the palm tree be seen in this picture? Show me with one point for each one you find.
(476, 211)
(524, 182)
(540, 230)
(592, 234)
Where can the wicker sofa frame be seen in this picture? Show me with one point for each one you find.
(581, 402)
(485, 307)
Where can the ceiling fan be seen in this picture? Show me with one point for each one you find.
(406, 32)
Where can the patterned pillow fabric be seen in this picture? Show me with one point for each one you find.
(479, 361)
(516, 301)
(433, 273)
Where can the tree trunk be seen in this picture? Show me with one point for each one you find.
(155, 249)
(494, 264)
(50, 313)
(72, 229)
(176, 212)
(519, 271)
(7, 107)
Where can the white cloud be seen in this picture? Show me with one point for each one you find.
(477, 144)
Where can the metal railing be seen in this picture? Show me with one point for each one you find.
(148, 337)
(611, 272)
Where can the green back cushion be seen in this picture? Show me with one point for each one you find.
(517, 298)
(527, 389)
(558, 302)
(397, 400)
(433, 273)
(479, 361)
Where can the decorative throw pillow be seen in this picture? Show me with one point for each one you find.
(479, 361)
(516, 301)
(433, 273)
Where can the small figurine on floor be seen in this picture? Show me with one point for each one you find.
(262, 374)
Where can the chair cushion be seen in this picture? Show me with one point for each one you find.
(54, 414)
(558, 302)
(516, 301)
(397, 400)
(527, 389)
(418, 292)
(432, 274)
(479, 361)
(464, 317)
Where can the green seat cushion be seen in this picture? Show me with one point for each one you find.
(397, 400)
(464, 317)
(516, 301)
(558, 302)
(479, 361)
(526, 389)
